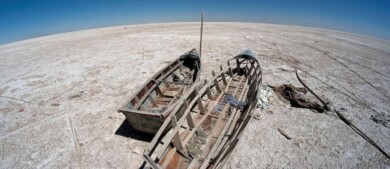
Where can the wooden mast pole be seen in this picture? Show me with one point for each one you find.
(201, 36)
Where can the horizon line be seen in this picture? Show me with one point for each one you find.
(183, 22)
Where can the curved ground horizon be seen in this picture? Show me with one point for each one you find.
(59, 94)
(205, 22)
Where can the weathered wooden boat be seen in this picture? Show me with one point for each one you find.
(147, 109)
(211, 124)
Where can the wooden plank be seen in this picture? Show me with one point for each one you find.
(164, 81)
(138, 112)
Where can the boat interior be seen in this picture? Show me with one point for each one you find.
(163, 89)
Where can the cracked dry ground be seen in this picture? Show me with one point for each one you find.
(59, 94)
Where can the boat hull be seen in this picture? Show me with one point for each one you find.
(212, 123)
(147, 109)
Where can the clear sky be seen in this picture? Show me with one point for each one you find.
(24, 19)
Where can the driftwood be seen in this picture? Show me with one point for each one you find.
(284, 134)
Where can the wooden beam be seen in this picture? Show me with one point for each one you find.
(200, 104)
(190, 121)
(217, 85)
(151, 162)
(230, 72)
(176, 139)
(132, 111)
(163, 81)
(224, 79)
(209, 93)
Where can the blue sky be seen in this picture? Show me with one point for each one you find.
(24, 19)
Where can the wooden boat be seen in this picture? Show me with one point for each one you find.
(147, 109)
(211, 124)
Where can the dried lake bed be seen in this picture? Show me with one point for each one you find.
(59, 94)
